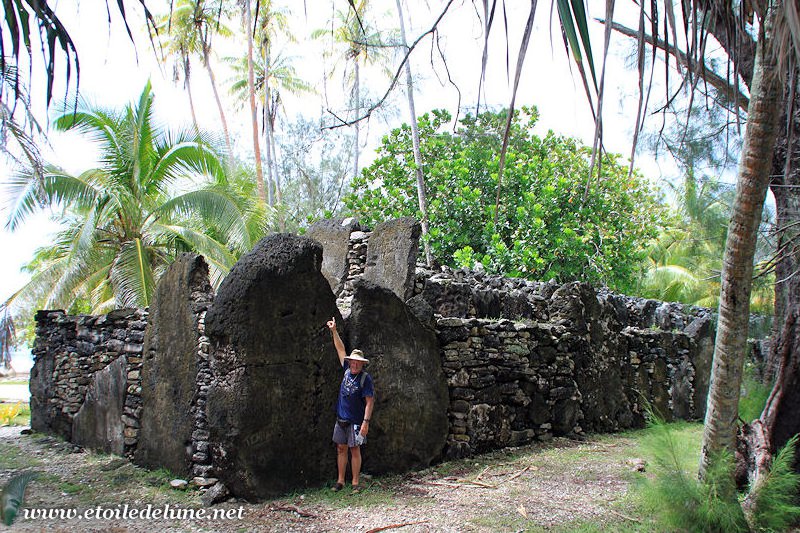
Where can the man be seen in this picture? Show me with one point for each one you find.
(353, 410)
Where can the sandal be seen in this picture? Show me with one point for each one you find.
(337, 487)
(356, 489)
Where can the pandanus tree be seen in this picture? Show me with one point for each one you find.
(124, 221)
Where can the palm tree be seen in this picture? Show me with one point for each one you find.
(360, 45)
(271, 80)
(187, 32)
(123, 221)
(737, 268)
(247, 23)
(278, 74)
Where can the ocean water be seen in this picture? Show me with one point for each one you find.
(22, 359)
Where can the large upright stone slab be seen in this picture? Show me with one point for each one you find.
(169, 367)
(98, 424)
(409, 425)
(334, 236)
(392, 256)
(275, 371)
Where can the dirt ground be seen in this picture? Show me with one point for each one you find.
(560, 485)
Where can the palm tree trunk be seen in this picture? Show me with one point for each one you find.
(223, 121)
(248, 22)
(421, 194)
(268, 152)
(267, 118)
(275, 169)
(737, 269)
(188, 86)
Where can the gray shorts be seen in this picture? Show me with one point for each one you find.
(345, 433)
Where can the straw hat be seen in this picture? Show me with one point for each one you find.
(357, 355)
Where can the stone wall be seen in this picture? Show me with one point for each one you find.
(528, 360)
(69, 352)
(494, 361)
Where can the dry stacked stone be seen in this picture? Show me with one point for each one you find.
(68, 351)
(491, 362)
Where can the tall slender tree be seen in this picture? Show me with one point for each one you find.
(412, 112)
(280, 77)
(186, 32)
(247, 22)
(359, 45)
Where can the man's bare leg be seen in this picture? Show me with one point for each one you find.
(355, 463)
(341, 461)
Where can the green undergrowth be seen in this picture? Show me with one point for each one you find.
(677, 500)
(753, 395)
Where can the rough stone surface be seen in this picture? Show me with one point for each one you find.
(270, 404)
(409, 424)
(98, 424)
(521, 361)
(170, 366)
(334, 235)
(392, 255)
(68, 351)
(215, 494)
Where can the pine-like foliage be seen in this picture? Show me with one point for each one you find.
(775, 496)
(678, 499)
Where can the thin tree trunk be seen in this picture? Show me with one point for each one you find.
(267, 115)
(276, 168)
(248, 22)
(222, 120)
(421, 194)
(357, 106)
(188, 86)
(268, 147)
(736, 280)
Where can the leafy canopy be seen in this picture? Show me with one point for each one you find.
(553, 224)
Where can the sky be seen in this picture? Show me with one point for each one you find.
(114, 71)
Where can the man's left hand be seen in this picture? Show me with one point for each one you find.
(364, 429)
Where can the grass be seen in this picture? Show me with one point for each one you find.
(14, 381)
(754, 395)
(376, 492)
(12, 458)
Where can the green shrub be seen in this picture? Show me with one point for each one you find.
(677, 498)
(680, 501)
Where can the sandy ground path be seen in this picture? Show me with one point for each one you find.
(552, 486)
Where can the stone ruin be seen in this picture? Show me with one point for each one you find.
(241, 385)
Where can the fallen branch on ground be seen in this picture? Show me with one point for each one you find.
(478, 483)
(395, 526)
(478, 477)
(515, 476)
(293, 509)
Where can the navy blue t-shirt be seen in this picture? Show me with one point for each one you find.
(351, 402)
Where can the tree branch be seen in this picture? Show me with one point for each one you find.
(396, 76)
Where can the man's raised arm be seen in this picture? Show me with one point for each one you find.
(337, 340)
